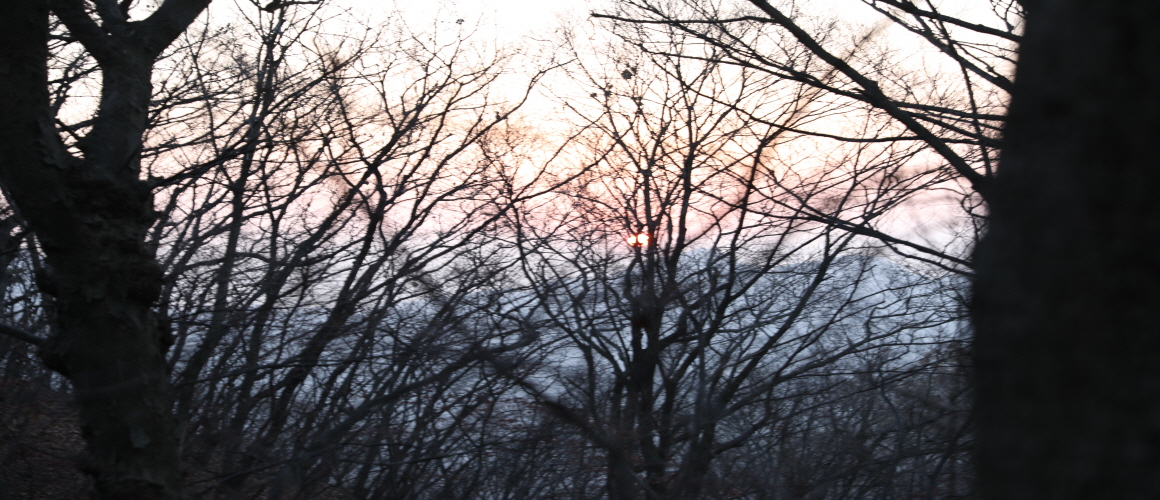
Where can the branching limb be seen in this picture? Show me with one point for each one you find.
(21, 334)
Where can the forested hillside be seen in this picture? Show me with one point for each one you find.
(673, 250)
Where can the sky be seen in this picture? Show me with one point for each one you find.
(516, 22)
(506, 20)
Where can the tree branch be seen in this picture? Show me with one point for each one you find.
(913, 10)
(21, 334)
(875, 95)
(167, 23)
(84, 29)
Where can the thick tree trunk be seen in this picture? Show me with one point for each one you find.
(90, 217)
(1066, 302)
(109, 345)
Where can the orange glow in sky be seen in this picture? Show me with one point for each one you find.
(638, 240)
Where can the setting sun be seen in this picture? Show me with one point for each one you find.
(638, 240)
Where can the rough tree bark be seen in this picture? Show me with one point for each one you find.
(1068, 353)
(90, 215)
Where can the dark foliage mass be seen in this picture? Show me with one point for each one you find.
(385, 262)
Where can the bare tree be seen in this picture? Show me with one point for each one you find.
(951, 105)
(379, 281)
(333, 278)
(90, 212)
(679, 345)
(895, 430)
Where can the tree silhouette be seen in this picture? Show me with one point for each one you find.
(1068, 357)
